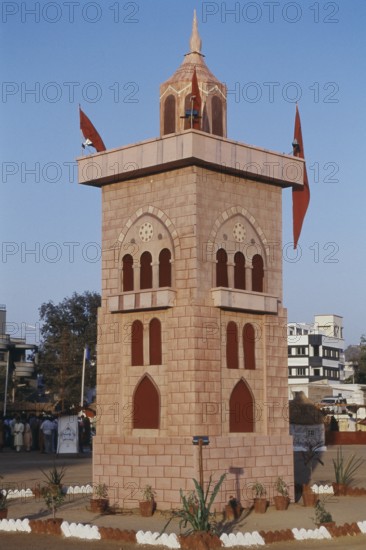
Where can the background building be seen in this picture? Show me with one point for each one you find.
(315, 351)
(17, 365)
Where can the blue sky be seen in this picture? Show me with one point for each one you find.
(111, 57)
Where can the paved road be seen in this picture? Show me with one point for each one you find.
(22, 470)
(45, 542)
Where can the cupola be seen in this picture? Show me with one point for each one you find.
(181, 107)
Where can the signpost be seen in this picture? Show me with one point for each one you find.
(200, 440)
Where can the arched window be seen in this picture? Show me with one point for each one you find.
(241, 409)
(239, 271)
(187, 109)
(146, 405)
(169, 115)
(145, 270)
(205, 120)
(249, 346)
(165, 268)
(127, 272)
(257, 273)
(232, 348)
(221, 268)
(155, 342)
(137, 343)
(217, 116)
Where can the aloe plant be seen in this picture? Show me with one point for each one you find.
(199, 516)
(344, 470)
(55, 475)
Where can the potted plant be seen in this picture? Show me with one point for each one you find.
(202, 527)
(53, 496)
(260, 500)
(147, 505)
(55, 476)
(308, 496)
(232, 509)
(322, 516)
(99, 502)
(344, 471)
(282, 500)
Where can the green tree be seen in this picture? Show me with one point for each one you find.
(360, 374)
(66, 328)
(357, 356)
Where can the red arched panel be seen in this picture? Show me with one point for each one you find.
(249, 346)
(187, 109)
(221, 268)
(257, 273)
(241, 409)
(155, 342)
(146, 406)
(145, 270)
(165, 268)
(217, 116)
(232, 351)
(169, 115)
(137, 343)
(239, 271)
(127, 272)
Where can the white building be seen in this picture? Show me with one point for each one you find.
(315, 352)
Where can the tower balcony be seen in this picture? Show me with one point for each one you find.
(243, 300)
(159, 298)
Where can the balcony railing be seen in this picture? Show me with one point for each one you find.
(243, 300)
(159, 298)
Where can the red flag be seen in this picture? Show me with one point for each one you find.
(89, 132)
(196, 102)
(300, 197)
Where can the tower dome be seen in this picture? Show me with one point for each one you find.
(178, 98)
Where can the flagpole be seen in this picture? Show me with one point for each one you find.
(6, 381)
(83, 379)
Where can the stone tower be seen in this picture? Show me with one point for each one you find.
(192, 329)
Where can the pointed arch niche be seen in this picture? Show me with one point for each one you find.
(241, 407)
(146, 405)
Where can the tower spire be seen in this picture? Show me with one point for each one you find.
(176, 94)
(195, 42)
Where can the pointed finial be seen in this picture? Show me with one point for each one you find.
(195, 42)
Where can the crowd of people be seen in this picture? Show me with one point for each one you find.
(38, 433)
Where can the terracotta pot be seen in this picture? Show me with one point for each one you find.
(232, 512)
(308, 497)
(147, 508)
(260, 505)
(3, 513)
(53, 526)
(99, 505)
(199, 540)
(281, 502)
(340, 489)
(37, 491)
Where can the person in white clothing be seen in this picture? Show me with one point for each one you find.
(18, 434)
